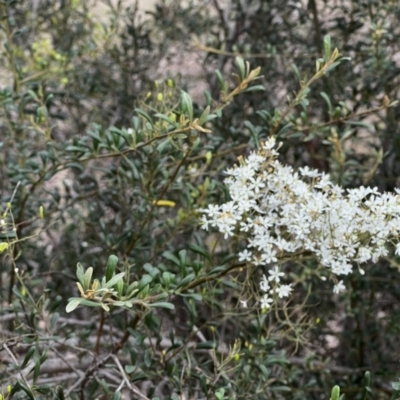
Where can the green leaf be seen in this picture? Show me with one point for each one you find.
(217, 270)
(264, 371)
(209, 344)
(368, 389)
(33, 95)
(296, 72)
(335, 394)
(36, 369)
(332, 67)
(42, 389)
(168, 277)
(211, 117)
(204, 115)
(360, 123)
(162, 304)
(241, 66)
(166, 119)
(95, 135)
(220, 394)
(76, 165)
(228, 258)
(28, 356)
(230, 284)
(221, 80)
(116, 396)
(202, 251)
(194, 296)
(281, 389)
(114, 280)
(73, 303)
(146, 279)
(284, 129)
(87, 278)
(77, 149)
(132, 287)
(144, 115)
(186, 280)
(163, 145)
(255, 88)
(182, 257)
(119, 287)
(111, 265)
(208, 97)
(169, 256)
(327, 100)
(187, 105)
(8, 235)
(3, 246)
(59, 393)
(396, 385)
(152, 271)
(327, 48)
(367, 378)
(90, 303)
(27, 390)
(130, 368)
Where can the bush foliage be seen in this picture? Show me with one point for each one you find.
(116, 129)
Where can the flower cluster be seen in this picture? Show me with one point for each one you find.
(283, 213)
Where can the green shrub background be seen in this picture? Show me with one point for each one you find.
(116, 130)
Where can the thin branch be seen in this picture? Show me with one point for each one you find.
(154, 205)
(83, 380)
(212, 277)
(133, 388)
(16, 363)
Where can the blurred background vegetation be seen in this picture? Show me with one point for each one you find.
(115, 129)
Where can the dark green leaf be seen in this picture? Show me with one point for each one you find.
(111, 265)
(144, 115)
(162, 304)
(28, 356)
(146, 279)
(186, 280)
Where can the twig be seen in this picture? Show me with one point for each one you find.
(100, 331)
(209, 277)
(154, 205)
(79, 373)
(5, 347)
(81, 382)
(134, 389)
(121, 343)
(324, 366)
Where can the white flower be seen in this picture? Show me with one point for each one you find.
(225, 228)
(213, 211)
(264, 284)
(339, 287)
(204, 222)
(281, 212)
(266, 301)
(269, 144)
(275, 274)
(243, 303)
(244, 255)
(397, 252)
(311, 173)
(256, 184)
(269, 255)
(283, 290)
